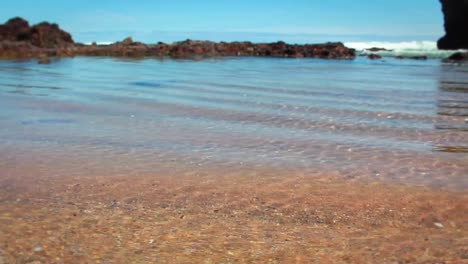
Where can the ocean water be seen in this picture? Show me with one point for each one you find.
(390, 120)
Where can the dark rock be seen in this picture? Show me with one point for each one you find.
(418, 57)
(375, 49)
(46, 35)
(374, 56)
(43, 35)
(193, 49)
(458, 57)
(456, 25)
(412, 57)
(15, 29)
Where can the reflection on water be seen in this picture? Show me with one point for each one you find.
(454, 149)
(453, 102)
(393, 120)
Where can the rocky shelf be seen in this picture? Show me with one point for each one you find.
(19, 40)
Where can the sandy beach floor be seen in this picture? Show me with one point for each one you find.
(257, 217)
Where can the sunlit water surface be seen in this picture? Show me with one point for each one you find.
(395, 120)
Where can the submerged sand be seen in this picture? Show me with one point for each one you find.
(257, 217)
(233, 161)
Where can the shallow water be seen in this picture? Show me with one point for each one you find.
(393, 120)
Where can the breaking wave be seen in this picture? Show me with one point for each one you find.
(100, 43)
(408, 48)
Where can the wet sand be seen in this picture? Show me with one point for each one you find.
(261, 216)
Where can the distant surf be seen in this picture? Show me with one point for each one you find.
(408, 48)
(100, 43)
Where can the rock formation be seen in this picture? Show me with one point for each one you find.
(374, 56)
(455, 23)
(43, 35)
(19, 40)
(193, 49)
(459, 57)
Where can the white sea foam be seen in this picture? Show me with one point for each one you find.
(100, 43)
(408, 48)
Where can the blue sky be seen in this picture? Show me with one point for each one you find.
(256, 20)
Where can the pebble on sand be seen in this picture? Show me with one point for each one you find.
(37, 249)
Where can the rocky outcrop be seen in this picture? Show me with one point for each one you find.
(19, 40)
(277, 49)
(376, 49)
(193, 49)
(412, 57)
(459, 57)
(43, 35)
(455, 23)
(15, 29)
(374, 56)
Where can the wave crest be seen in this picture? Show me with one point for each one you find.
(407, 48)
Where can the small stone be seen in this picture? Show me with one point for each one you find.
(151, 241)
(37, 249)
(439, 225)
(374, 56)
